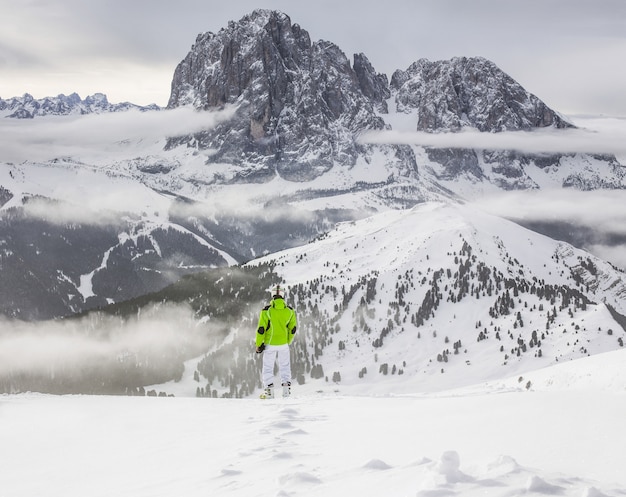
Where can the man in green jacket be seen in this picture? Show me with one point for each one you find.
(275, 332)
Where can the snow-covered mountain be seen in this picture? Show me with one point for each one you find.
(468, 92)
(27, 107)
(74, 236)
(302, 105)
(281, 171)
(414, 307)
(299, 104)
(434, 297)
(424, 299)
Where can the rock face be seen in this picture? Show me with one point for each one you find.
(473, 92)
(301, 105)
(298, 103)
(452, 94)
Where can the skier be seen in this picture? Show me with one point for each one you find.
(276, 330)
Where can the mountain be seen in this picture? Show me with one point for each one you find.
(53, 269)
(298, 103)
(429, 298)
(468, 92)
(422, 297)
(301, 107)
(27, 107)
(58, 256)
(283, 170)
(473, 93)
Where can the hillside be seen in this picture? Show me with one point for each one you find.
(442, 295)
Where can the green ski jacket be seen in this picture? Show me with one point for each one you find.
(277, 324)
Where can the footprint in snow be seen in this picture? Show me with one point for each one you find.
(376, 464)
(281, 424)
(444, 478)
(298, 431)
(593, 492)
(298, 478)
(230, 472)
(536, 484)
(290, 412)
(284, 455)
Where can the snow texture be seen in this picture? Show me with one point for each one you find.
(564, 440)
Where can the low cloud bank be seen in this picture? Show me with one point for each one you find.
(601, 209)
(544, 141)
(245, 206)
(45, 138)
(72, 346)
(63, 213)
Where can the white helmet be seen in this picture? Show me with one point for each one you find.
(278, 291)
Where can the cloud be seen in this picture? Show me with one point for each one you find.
(245, 205)
(614, 254)
(126, 133)
(72, 346)
(61, 213)
(68, 193)
(541, 141)
(591, 208)
(593, 215)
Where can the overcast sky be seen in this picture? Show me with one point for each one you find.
(570, 53)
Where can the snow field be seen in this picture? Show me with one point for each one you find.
(487, 441)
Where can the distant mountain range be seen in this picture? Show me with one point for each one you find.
(27, 107)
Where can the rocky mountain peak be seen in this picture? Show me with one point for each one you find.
(375, 86)
(469, 91)
(298, 103)
(472, 92)
(300, 106)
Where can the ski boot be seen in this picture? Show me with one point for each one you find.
(268, 393)
(286, 389)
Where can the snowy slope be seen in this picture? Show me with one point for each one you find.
(436, 297)
(76, 237)
(420, 300)
(404, 255)
(489, 441)
(430, 234)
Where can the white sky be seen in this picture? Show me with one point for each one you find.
(570, 53)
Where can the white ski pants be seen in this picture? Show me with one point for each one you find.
(270, 354)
